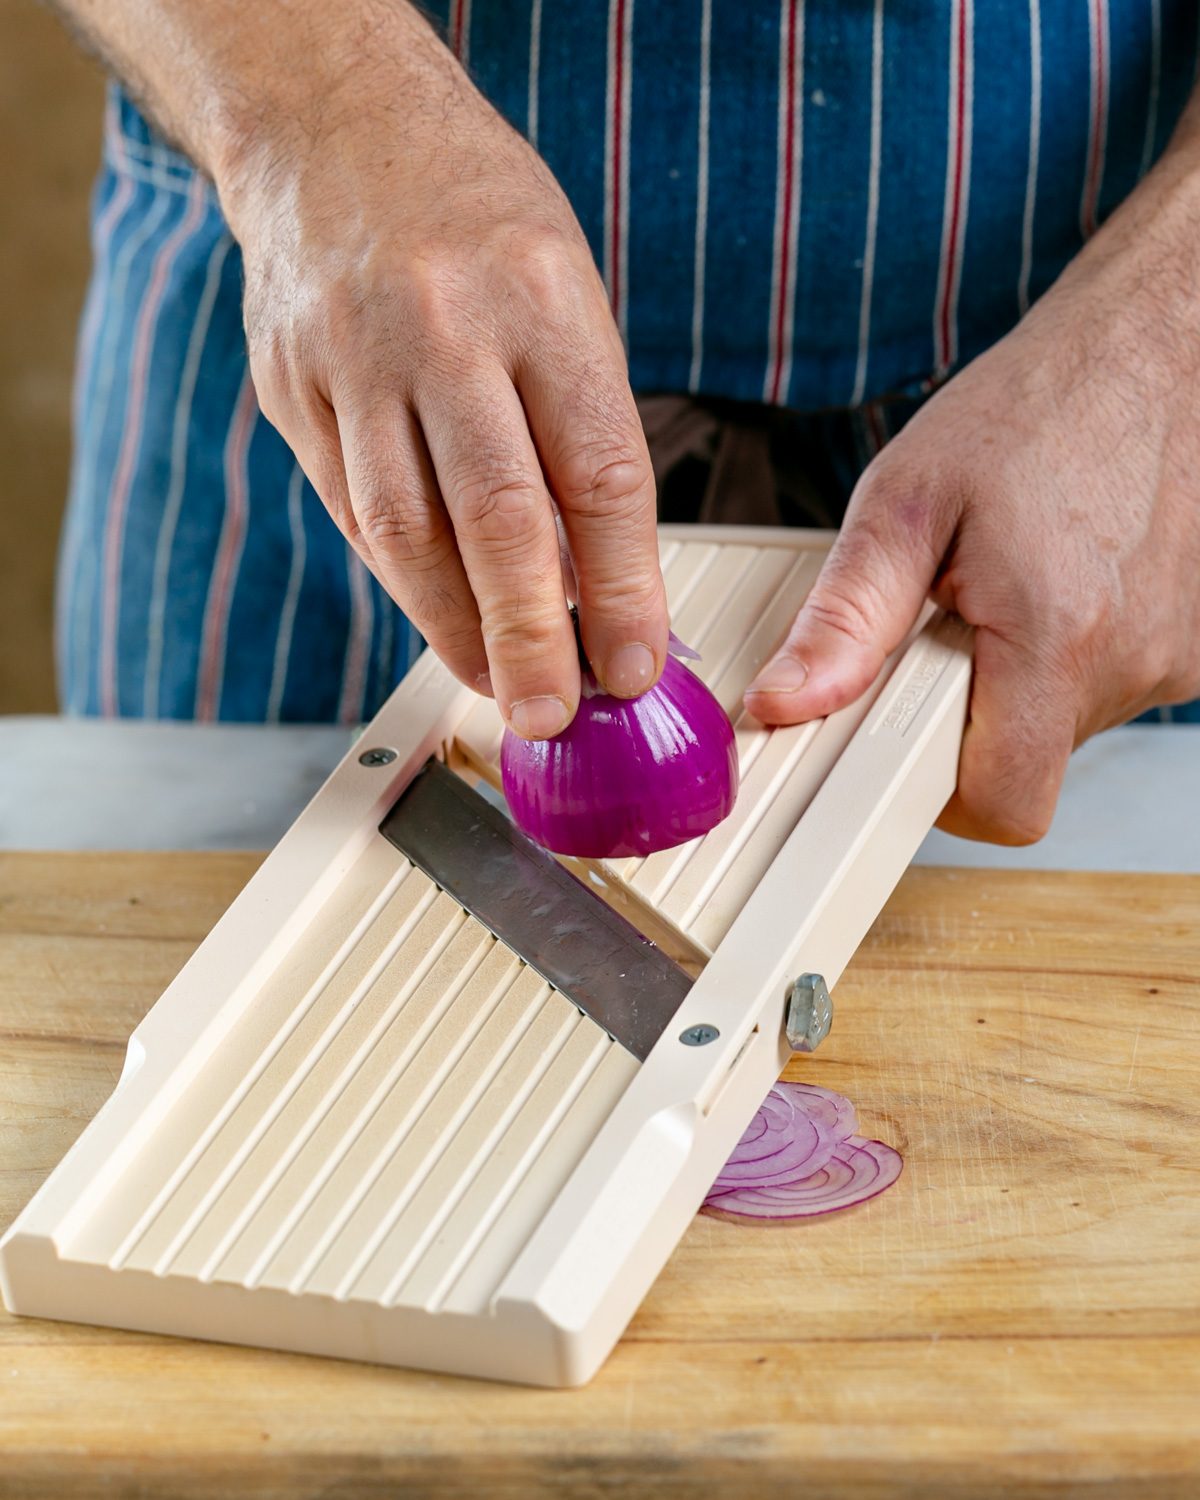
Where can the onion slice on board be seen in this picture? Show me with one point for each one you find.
(800, 1157)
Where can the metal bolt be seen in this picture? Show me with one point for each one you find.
(699, 1036)
(809, 1013)
(377, 757)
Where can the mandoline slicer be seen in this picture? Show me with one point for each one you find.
(425, 1095)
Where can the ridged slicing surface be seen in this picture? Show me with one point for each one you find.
(387, 1121)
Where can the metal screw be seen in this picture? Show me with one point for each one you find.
(377, 757)
(699, 1036)
(809, 1013)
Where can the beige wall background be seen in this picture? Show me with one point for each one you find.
(50, 117)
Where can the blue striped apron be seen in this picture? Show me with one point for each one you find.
(826, 206)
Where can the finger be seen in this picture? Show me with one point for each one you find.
(870, 590)
(492, 484)
(395, 516)
(313, 438)
(1019, 737)
(592, 448)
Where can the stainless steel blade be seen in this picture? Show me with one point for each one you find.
(514, 887)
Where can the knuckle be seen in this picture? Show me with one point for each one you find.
(498, 507)
(606, 481)
(405, 533)
(885, 485)
(259, 301)
(517, 633)
(435, 297)
(1012, 826)
(1152, 667)
(888, 493)
(1078, 612)
(378, 524)
(1181, 671)
(270, 372)
(1069, 641)
(437, 609)
(336, 501)
(1184, 687)
(321, 462)
(1004, 808)
(1166, 655)
(1010, 792)
(546, 263)
(898, 511)
(850, 614)
(637, 594)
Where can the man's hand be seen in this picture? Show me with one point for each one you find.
(1050, 495)
(426, 328)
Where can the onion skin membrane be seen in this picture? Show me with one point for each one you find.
(800, 1157)
(628, 776)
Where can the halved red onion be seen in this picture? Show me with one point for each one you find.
(800, 1157)
(628, 776)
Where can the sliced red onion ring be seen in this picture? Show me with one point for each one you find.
(858, 1170)
(833, 1110)
(755, 1131)
(791, 1142)
(773, 1126)
(796, 1120)
(802, 1149)
(800, 1158)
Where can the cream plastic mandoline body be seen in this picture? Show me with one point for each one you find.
(358, 1125)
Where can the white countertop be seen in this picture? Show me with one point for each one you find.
(1131, 800)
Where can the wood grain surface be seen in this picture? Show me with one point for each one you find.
(1020, 1315)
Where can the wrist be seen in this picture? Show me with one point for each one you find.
(1131, 291)
(330, 75)
(1159, 221)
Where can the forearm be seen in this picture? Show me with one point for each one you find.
(219, 78)
(1148, 250)
(425, 327)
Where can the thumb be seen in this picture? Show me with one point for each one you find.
(869, 592)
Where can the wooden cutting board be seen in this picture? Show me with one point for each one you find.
(1019, 1315)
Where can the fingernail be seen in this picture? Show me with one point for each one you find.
(784, 675)
(539, 718)
(630, 670)
(483, 684)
